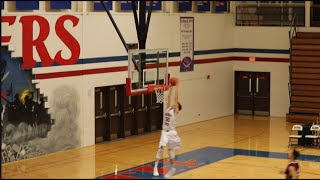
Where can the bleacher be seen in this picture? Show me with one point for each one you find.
(305, 78)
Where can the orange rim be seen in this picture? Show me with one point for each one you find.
(152, 87)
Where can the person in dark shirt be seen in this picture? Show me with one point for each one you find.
(28, 102)
(293, 168)
(17, 104)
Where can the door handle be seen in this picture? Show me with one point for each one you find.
(116, 114)
(129, 112)
(155, 107)
(257, 85)
(143, 109)
(250, 85)
(101, 116)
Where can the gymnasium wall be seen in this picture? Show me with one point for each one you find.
(276, 40)
(99, 59)
(69, 87)
(271, 46)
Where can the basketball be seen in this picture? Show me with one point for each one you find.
(174, 81)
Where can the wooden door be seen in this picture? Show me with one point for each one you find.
(252, 93)
(261, 93)
(100, 114)
(127, 113)
(154, 113)
(140, 109)
(113, 113)
(243, 93)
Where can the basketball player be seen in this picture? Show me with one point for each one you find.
(292, 170)
(169, 134)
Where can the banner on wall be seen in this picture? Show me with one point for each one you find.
(60, 4)
(27, 5)
(156, 5)
(203, 6)
(98, 6)
(221, 6)
(185, 5)
(127, 5)
(186, 44)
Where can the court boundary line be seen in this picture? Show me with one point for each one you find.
(243, 152)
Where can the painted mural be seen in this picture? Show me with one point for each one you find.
(28, 127)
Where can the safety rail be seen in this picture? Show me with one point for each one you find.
(315, 16)
(292, 33)
(269, 15)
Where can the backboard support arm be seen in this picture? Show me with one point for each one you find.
(118, 31)
(148, 19)
(134, 9)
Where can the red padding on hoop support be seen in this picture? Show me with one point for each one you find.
(128, 86)
(150, 88)
(129, 90)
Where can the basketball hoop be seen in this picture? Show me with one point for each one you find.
(159, 90)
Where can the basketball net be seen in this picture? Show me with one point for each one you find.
(159, 91)
(160, 94)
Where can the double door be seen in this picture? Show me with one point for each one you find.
(252, 93)
(119, 116)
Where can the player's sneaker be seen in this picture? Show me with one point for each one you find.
(170, 173)
(155, 172)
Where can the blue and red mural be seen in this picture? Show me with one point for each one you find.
(23, 113)
(25, 119)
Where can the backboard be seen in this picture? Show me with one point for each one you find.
(146, 67)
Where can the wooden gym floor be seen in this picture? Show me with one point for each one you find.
(227, 147)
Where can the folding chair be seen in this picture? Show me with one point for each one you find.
(315, 130)
(296, 128)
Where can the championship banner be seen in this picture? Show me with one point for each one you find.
(221, 6)
(186, 44)
(27, 5)
(127, 5)
(156, 5)
(98, 6)
(60, 4)
(185, 5)
(203, 6)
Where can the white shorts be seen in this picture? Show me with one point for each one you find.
(171, 139)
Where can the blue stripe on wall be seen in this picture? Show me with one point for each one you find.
(177, 54)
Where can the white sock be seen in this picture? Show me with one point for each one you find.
(156, 165)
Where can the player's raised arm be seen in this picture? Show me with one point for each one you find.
(169, 98)
(176, 98)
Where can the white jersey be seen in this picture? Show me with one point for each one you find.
(169, 120)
